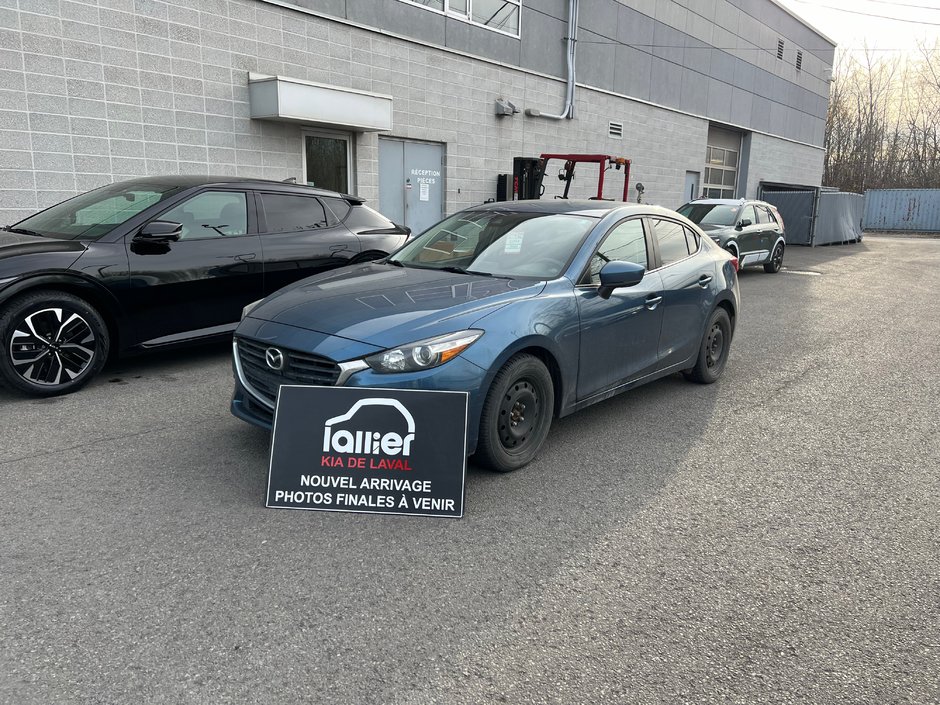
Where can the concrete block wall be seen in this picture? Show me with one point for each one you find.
(776, 160)
(93, 92)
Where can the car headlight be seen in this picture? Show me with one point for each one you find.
(424, 354)
(250, 307)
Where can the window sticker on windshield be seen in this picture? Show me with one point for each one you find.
(513, 244)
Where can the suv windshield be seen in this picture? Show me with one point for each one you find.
(499, 243)
(710, 213)
(92, 214)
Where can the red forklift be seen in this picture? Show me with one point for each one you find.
(528, 175)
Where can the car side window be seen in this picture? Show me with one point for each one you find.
(761, 215)
(748, 214)
(691, 240)
(286, 213)
(211, 214)
(624, 243)
(339, 207)
(771, 218)
(671, 238)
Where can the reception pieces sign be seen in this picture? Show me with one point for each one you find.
(387, 451)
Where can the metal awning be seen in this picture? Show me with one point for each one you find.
(292, 100)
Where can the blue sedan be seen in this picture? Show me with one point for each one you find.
(536, 308)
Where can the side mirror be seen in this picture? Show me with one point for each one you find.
(616, 275)
(744, 223)
(160, 231)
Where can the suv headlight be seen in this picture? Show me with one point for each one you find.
(424, 354)
(250, 307)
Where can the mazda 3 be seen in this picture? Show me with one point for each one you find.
(535, 308)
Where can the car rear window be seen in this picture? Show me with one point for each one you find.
(364, 218)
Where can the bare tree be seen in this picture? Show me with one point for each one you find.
(883, 126)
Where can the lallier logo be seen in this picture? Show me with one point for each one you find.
(368, 449)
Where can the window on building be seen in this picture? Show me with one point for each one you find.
(780, 49)
(721, 169)
(499, 15)
(799, 61)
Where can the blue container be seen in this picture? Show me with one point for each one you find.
(916, 210)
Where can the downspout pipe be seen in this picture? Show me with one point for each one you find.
(570, 60)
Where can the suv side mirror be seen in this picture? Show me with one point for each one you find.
(160, 231)
(616, 274)
(744, 223)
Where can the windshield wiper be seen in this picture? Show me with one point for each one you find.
(461, 270)
(22, 231)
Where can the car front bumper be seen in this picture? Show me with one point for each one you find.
(457, 375)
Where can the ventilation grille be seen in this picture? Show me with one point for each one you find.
(799, 61)
(615, 130)
(780, 49)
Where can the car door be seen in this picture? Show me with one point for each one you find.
(619, 335)
(771, 228)
(687, 275)
(199, 284)
(300, 237)
(749, 236)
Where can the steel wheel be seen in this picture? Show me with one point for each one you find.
(713, 351)
(776, 260)
(517, 414)
(52, 343)
(715, 346)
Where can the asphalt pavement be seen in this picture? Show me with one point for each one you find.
(771, 538)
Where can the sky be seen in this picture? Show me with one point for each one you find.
(849, 22)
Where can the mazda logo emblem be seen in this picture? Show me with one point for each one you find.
(274, 358)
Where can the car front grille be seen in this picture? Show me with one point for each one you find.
(299, 368)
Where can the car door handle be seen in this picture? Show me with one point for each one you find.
(652, 301)
(704, 280)
(247, 257)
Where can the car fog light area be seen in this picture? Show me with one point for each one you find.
(423, 354)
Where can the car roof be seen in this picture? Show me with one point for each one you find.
(594, 209)
(194, 180)
(727, 201)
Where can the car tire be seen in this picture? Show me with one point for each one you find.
(713, 352)
(733, 251)
(517, 414)
(51, 343)
(776, 260)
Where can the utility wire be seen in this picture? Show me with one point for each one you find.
(868, 14)
(904, 4)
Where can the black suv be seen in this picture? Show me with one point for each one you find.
(159, 261)
(750, 230)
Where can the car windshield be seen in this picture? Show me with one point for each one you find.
(92, 214)
(500, 243)
(710, 213)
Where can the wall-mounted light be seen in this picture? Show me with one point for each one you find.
(504, 108)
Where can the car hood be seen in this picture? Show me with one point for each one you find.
(384, 305)
(716, 229)
(14, 244)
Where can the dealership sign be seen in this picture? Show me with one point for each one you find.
(389, 451)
